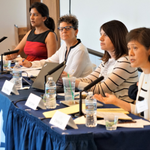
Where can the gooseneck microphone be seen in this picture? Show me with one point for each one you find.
(3, 38)
(6, 53)
(85, 89)
(11, 52)
(54, 69)
(93, 83)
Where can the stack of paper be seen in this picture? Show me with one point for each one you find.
(113, 110)
(140, 123)
(68, 110)
(120, 115)
(30, 72)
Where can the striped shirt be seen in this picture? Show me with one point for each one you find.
(118, 76)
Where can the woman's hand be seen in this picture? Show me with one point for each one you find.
(109, 99)
(25, 63)
(64, 74)
(11, 56)
(112, 99)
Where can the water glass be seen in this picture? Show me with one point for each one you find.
(69, 87)
(6, 64)
(111, 122)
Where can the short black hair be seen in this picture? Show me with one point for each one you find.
(141, 35)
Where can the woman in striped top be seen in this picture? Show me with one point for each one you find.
(139, 52)
(115, 67)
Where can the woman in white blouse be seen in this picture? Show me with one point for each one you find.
(72, 51)
(138, 42)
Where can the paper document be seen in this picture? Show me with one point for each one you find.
(68, 110)
(80, 120)
(120, 115)
(27, 69)
(113, 110)
(140, 123)
(31, 73)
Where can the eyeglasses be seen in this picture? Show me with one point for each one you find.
(67, 28)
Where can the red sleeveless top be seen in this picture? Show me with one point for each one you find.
(35, 47)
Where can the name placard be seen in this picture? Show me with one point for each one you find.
(61, 120)
(141, 106)
(7, 87)
(34, 101)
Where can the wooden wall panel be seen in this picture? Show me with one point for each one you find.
(54, 12)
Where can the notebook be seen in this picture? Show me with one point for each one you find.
(39, 82)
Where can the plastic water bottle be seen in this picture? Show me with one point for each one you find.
(91, 110)
(17, 76)
(50, 92)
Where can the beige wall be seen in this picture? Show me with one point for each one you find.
(11, 12)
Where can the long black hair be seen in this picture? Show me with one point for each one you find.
(44, 11)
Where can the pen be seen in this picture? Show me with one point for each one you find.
(23, 60)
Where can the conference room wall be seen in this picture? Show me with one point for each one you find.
(93, 13)
(11, 12)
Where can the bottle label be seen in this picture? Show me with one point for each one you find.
(91, 107)
(16, 74)
(50, 91)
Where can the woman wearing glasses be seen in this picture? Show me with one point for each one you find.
(115, 67)
(40, 42)
(72, 50)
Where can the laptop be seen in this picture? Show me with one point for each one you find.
(39, 82)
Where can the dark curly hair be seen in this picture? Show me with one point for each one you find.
(70, 19)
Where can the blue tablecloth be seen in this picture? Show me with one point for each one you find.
(24, 131)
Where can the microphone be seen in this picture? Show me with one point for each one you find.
(6, 53)
(55, 69)
(11, 52)
(85, 89)
(3, 38)
(93, 83)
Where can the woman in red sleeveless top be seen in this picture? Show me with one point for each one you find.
(40, 42)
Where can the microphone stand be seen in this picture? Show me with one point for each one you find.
(53, 70)
(85, 89)
(6, 53)
(80, 104)
(2, 71)
(3, 38)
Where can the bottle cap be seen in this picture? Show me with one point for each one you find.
(50, 78)
(90, 93)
